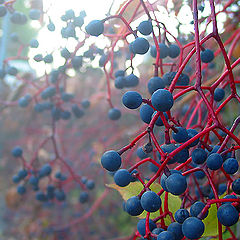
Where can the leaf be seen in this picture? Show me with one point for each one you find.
(133, 189)
(211, 222)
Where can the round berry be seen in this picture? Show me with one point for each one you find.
(166, 235)
(140, 46)
(145, 27)
(181, 215)
(133, 206)
(132, 99)
(199, 156)
(154, 84)
(219, 94)
(17, 151)
(131, 80)
(95, 28)
(207, 55)
(193, 228)
(197, 208)
(111, 160)
(141, 226)
(90, 184)
(114, 114)
(191, 134)
(150, 201)
(230, 166)
(174, 51)
(164, 50)
(227, 214)
(214, 161)
(122, 177)
(162, 100)
(83, 197)
(176, 184)
(236, 186)
(146, 113)
(176, 229)
(181, 135)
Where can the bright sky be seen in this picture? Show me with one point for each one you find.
(95, 9)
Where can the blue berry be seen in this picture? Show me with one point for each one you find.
(85, 103)
(120, 82)
(17, 151)
(22, 173)
(214, 161)
(133, 206)
(230, 166)
(166, 235)
(78, 112)
(65, 115)
(236, 186)
(16, 179)
(114, 114)
(132, 99)
(40, 196)
(168, 148)
(156, 231)
(83, 198)
(197, 208)
(21, 189)
(193, 228)
(77, 62)
(34, 43)
(33, 180)
(45, 170)
(154, 84)
(141, 154)
(48, 58)
(51, 27)
(140, 46)
(150, 201)
(34, 14)
(176, 184)
(162, 100)
(199, 156)
(181, 135)
(146, 113)
(176, 229)
(145, 27)
(90, 184)
(183, 79)
(159, 121)
(181, 215)
(191, 134)
(65, 53)
(141, 226)
(50, 191)
(111, 160)
(119, 73)
(174, 51)
(131, 80)
(207, 56)
(60, 195)
(95, 28)
(38, 58)
(164, 50)
(122, 177)
(183, 155)
(222, 188)
(48, 92)
(219, 94)
(227, 215)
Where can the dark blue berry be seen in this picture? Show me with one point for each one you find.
(95, 28)
(227, 215)
(154, 84)
(132, 99)
(111, 160)
(214, 161)
(133, 206)
(150, 201)
(122, 177)
(193, 228)
(162, 100)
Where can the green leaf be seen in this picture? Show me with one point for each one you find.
(211, 222)
(133, 189)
